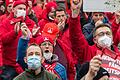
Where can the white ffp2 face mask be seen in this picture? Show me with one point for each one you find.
(21, 13)
(47, 56)
(105, 41)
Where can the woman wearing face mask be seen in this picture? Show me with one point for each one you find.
(46, 45)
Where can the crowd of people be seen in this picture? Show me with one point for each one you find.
(57, 40)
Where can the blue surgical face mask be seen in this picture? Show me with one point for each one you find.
(34, 62)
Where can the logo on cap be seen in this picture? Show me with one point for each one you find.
(46, 39)
(50, 30)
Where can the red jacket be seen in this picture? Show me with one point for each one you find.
(38, 11)
(116, 32)
(110, 16)
(44, 20)
(1, 61)
(64, 42)
(1, 53)
(3, 17)
(71, 65)
(64, 37)
(79, 43)
(10, 40)
(117, 37)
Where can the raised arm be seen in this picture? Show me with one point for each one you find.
(78, 41)
(22, 46)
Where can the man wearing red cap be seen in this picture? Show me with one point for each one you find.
(9, 9)
(62, 50)
(48, 14)
(9, 33)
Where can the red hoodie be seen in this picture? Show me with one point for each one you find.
(10, 40)
(79, 44)
(44, 20)
(45, 12)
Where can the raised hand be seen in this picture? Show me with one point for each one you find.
(98, 23)
(17, 27)
(75, 8)
(30, 4)
(35, 30)
(117, 17)
(25, 31)
(61, 25)
(94, 67)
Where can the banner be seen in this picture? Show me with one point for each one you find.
(101, 5)
(111, 62)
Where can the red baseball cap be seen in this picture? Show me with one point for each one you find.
(42, 39)
(18, 2)
(51, 30)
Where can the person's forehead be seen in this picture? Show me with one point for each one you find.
(33, 48)
(103, 29)
(10, 4)
(46, 42)
(94, 13)
(60, 12)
